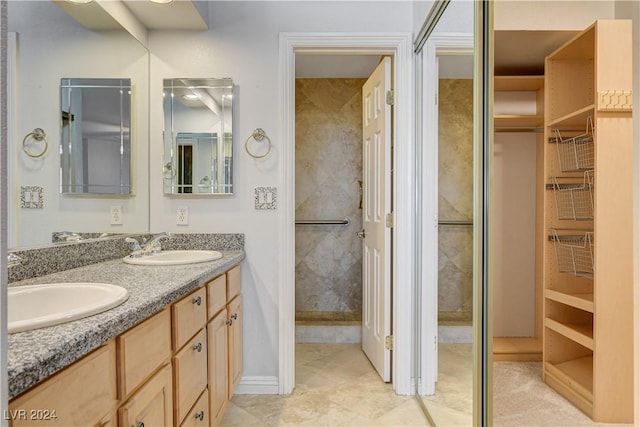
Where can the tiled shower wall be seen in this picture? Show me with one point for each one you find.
(328, 167)
(455, 189)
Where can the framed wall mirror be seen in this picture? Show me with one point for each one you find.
(198, 136)
(95, 145)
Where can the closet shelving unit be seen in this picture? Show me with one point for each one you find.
(514, 91)
(588, 257)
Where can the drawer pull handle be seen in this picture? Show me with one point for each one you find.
(228, 322)
(234, 316)
(197, 300)
(198, 347)
(200, 415)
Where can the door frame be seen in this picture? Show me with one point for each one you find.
(436, 45)
(399, 45)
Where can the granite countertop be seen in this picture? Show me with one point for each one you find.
(35, 355)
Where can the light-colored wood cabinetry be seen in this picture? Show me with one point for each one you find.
(224, 332)
(587, 236)
(190, 374)
(199, 414)
(92, 383)
(176, 368)
(517, 212)
(234, 320)
(142, 350)
(151, 404)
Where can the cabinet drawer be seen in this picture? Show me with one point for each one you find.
(189, 316)
(80, 395)
(151, 404)
(189, 374)
(199, 414)
(216, 295)
(233, 282)
(142, 350)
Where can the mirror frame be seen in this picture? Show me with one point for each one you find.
(224, 172)
(67, 85)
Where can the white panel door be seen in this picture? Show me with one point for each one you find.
(376, 265)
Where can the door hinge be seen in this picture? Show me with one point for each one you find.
(388, 342)
(390, 220)
(391, 97)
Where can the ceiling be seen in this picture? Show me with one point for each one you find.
(109, 15)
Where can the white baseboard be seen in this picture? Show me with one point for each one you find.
(258, 385)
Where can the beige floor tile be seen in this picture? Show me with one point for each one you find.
(335, 386)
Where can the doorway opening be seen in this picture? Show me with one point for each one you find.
(397, 46)
(343, 177)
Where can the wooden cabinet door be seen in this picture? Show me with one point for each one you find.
(142, 350)
(189, 374)
(234, 313)
(218, 366)
(79, 395)
(152, 404)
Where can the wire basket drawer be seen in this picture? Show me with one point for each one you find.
(574, 253)
(576, 153)
(574, 201)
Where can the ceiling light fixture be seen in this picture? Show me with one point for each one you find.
(162, 1)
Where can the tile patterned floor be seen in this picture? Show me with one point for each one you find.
(335, 386)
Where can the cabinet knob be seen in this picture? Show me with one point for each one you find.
(200, 415)
(228, 322)
(198, 347)
(234, 316)
(140, 424)
(197, 300)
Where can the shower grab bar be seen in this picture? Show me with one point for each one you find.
(345, 221)
(466, 223)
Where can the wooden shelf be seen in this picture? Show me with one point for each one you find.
(518, 121)
(517, 83)
(577, 332)
(576, 120)
(578, 373)
(583, 301)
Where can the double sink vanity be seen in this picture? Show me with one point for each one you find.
(167, 352)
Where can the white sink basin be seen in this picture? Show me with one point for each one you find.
(174, 258)
(37, 306)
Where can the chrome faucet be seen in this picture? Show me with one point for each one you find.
(13, 260)
(136, 250)
(153, 245)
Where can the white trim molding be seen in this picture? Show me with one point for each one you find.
(436, 45)
(399, 46)
(257, 385)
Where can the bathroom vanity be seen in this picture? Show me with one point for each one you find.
(170, 355)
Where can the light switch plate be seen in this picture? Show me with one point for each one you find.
(266, 198)
(31, 197)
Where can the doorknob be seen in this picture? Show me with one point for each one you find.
(360, 234)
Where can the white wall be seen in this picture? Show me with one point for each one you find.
(242, 43)
(52, 46)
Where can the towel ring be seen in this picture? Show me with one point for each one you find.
(258, 135)
(39, 135)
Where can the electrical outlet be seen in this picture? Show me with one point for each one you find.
(116, 215)
(183, 216)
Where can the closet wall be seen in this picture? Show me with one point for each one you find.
(455, 201)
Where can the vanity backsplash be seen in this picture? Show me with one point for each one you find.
(52, 259)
